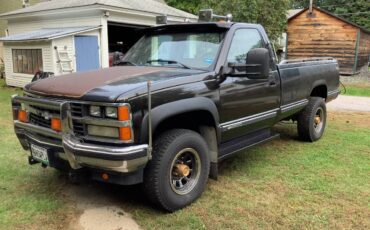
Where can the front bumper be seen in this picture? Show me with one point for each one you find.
(78, 154)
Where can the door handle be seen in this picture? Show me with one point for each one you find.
(272, 82)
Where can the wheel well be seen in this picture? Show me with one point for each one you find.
(201, 122)
(319, 91)
(190, 120)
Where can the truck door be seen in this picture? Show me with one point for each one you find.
(247, 104)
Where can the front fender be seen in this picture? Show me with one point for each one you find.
(165, 111)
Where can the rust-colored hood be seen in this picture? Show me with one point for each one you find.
(76, 85)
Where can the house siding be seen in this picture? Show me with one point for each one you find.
(18, 79)
(364, 50)
(7, 6)
(322, 36)
(63, 44)
(67, 44)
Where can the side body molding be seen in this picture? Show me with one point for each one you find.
(165, 111)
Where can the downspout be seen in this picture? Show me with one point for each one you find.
(357, 51)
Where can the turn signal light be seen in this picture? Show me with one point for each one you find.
(56, 124)
(123, 113)
(22, 116)
(125, 134)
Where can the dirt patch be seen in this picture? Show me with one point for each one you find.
(351, 118)
(107, 217)
(97, 210)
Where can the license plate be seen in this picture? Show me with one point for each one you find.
(39, 153)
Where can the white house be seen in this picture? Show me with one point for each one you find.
(75, 35)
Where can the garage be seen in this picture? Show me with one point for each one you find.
(121, 37)
(74, 36)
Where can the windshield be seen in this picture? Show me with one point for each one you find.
(182, 50)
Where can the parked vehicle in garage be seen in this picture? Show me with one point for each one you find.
(189, 96)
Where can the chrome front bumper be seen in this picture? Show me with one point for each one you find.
(67, 147)
(119, 159)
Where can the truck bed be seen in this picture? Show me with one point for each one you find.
(299, 77)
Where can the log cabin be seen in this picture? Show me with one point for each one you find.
(318, 33)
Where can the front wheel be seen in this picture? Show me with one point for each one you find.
(178, 172)
(312, 120)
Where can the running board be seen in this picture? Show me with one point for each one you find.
(231, 147)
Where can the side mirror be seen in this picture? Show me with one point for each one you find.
(257, 65)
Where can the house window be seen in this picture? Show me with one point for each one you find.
(27, 61)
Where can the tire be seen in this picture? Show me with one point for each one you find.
(312, 120)
(162, 176)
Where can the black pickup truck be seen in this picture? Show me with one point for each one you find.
(185, 97)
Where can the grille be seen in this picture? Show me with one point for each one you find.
(39, 120)
(76, 110)
(78, 128)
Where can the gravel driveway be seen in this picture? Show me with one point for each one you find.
(350, 103)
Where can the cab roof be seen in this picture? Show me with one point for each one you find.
(201, 26)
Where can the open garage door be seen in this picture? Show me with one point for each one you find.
(121, 38)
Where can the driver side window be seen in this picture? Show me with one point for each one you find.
(243, 41)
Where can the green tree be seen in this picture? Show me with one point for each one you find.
(191, 6)
(269, 13)
(356, 11)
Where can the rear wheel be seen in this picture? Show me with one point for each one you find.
(178, 172)
(312, 120)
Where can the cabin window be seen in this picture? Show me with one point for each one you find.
(27, 61)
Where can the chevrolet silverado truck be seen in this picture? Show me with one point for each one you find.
(185, 97)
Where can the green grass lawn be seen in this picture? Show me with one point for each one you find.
(284, 184)
(358, 89)
(30, 197)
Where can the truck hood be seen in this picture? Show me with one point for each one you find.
(104, 84)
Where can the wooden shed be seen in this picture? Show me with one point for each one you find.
(322, 34)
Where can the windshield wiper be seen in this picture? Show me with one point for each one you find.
(170, 62)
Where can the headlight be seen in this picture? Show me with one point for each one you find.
(95, 111)
(111, 112)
